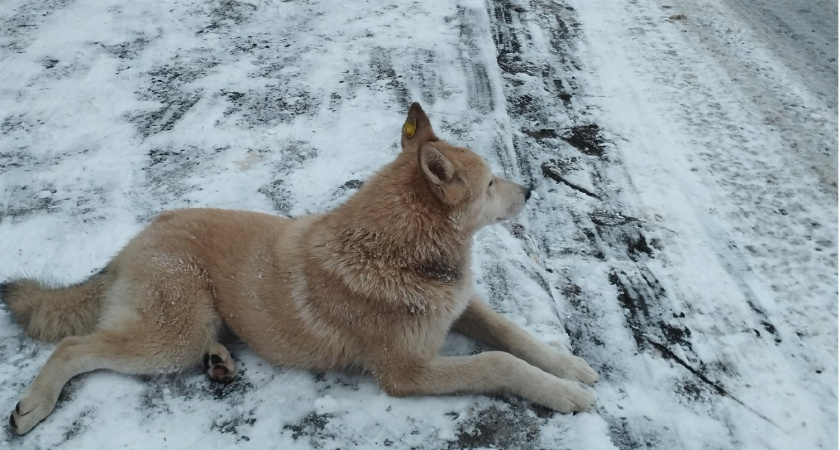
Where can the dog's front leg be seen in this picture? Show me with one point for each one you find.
(480, 322)
(488, 372)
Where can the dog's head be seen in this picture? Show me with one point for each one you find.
(460, 179)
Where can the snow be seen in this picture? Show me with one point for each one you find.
(688, 250)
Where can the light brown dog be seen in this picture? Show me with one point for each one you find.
(375, 284)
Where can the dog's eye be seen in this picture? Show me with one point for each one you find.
(491, 183)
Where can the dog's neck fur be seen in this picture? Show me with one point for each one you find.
(396, 226)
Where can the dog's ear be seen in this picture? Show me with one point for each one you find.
(417, 129)
(437, 169)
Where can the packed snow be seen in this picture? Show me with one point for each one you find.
(682, 235)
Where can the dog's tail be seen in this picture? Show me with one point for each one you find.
(50, 313)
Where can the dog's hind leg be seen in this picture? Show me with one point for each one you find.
(488, 372)
(122, 351)
(142, 335)
(480, 322)
(219, 364)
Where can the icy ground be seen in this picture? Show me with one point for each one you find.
(683, 235)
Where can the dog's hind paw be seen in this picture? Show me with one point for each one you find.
(219, 364)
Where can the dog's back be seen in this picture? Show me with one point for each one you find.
(176, 252)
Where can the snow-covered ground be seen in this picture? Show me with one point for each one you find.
(682, 236)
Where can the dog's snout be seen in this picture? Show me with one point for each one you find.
(528, 193)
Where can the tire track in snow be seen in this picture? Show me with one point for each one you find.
(714, 170)
(556, 140)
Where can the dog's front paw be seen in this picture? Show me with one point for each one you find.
(566, 365)
(580, 370)
(570, 397)
(28, 412)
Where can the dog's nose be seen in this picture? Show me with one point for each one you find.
(527, 193)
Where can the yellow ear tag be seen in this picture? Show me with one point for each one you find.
(409, 127)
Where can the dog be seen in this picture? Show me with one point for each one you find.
(375, 285)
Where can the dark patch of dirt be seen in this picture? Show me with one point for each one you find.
(523, 102)
(542, 133)
(352, 184)
(294, 153)
(769, 327)
(153, 398)
(692, 390)
(275, 104)
(236, 426)
(165, 118)
(17, 123)
(168, 78)
(126, 50)
(586, 138)
(312, 427)
(233, 391)
(168, 86)
(343, 380)
(637, 245)
(561, 91)
(79, 425)
(638, 292)
(675, 334)
(772, 330)
(347, 189)
(628, 437)
(227, 13)
(516, 427)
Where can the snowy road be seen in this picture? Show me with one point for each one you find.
(803, 34)
(682, 236)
